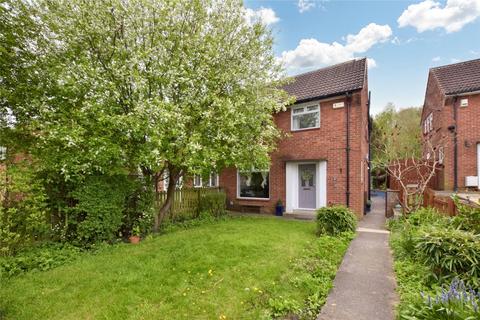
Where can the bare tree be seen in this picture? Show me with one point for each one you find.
(413, 175)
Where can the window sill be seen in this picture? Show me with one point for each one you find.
(256, 199)
(306, 129)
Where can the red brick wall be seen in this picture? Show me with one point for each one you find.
(325, 143)
(468, 133)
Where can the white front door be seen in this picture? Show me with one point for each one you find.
(306, 185)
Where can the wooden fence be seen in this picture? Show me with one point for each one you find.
(443, 202)
(186, 201)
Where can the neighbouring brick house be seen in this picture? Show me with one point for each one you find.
(324, 160)
(451, 122)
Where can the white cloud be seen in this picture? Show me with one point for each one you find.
(305, 5)
(436, 59)
(371, 63)
(265, 15)
(313, 53)
(429, 15)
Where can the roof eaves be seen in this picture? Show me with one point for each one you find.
(327, 96)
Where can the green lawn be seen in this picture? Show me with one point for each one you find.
(228, 269)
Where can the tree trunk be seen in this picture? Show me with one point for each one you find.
(172, 183)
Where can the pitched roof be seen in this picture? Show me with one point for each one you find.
(329, 81)
(459, 77)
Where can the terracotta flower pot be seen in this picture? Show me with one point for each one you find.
(134, 239)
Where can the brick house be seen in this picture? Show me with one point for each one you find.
(324, 159)
(451, 122)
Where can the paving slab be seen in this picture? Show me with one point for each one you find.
(364, 287)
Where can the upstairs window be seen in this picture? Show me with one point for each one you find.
(428, 123)
(306, 117)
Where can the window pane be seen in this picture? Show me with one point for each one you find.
(309, 120)
(312, 108)
(254, 184)
(298, 110)
(197, 182)
(213, 180)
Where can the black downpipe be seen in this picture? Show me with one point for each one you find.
(455, 147)
(369, 149)
(347, 149)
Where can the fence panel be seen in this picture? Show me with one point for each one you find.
(185, 202)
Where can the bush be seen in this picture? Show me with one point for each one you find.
(335, 220)
(468, 218)
(454, 302)
(23, 213)
(38, 258)
(451, 253)
(99, 211)
(214, 203)
(406, 230)
(426, 217)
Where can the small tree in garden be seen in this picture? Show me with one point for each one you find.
(145, 87)
(412, 171)
(397, 150)
(423, 171)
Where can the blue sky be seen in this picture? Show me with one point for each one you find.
(403, 39)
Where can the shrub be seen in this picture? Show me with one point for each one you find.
(426, 217)
(335, 220)
(214, 203)
(38, 258)
(468, 218)
(454, 302)
(99, 211)
(450, 253)
(23, 213)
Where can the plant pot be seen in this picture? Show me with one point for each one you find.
(279, 210)
(134, 239)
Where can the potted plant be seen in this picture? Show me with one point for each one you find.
(135, 237)
(279, 208)
(368, 204)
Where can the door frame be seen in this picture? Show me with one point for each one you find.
(292, 184)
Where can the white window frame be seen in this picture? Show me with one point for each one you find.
(253, 198)
(3, 153)
(217, 181)
(208, 183)
(441, 155)
(428, 124)
(304, 106)
(195, 176)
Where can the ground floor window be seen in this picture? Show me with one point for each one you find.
(253, 184)
(207, 181)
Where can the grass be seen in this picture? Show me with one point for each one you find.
(241, 268)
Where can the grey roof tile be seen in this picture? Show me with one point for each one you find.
(458, 78)
(336, 79)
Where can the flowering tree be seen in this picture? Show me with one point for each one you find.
(144, 87)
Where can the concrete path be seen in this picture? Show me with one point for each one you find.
(364, 288)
